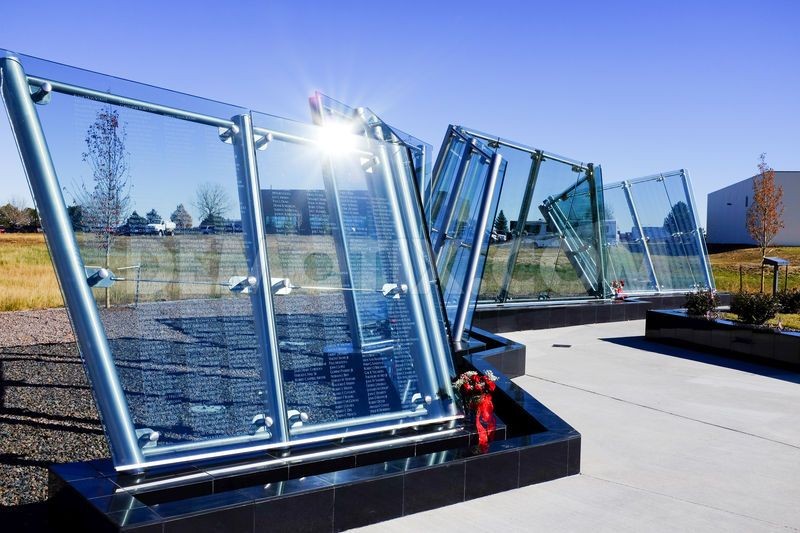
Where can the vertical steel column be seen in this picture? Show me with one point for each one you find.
(418, 157)
(701, 242)
(450, 209)
(464, 301)
(64, 250)
(255, 237)
(626, 186)
(599, 222)
(516, 244)
(437, 166)
(398, 194)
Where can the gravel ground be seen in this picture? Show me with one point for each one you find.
(47, 413)
(170, 356)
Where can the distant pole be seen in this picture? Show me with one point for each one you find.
(741, 278)
(775, 274)
(786, 279)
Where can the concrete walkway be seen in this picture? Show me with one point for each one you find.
(673, 440)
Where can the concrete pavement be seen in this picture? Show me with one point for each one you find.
(673, 440)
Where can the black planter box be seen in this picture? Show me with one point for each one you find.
(359, 483)
(724, 337)
(514, 317)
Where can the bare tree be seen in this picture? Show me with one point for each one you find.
(105, 206)
(212, 203)
(765, 214)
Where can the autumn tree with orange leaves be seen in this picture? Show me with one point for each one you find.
(765, 214)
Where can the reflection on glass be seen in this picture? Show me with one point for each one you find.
(468, 176)
(669, 233)
(626, 259)
(359, 340)
(173, 209)
(451, 155)
(553, 253)
(154, 200)
(329, 112)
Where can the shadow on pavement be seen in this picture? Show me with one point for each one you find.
(640, 343)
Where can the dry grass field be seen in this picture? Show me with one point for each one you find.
(188, 266)
(185, 263)
(727, 264)
(27, 279)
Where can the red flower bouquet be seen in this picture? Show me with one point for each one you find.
(475, 391)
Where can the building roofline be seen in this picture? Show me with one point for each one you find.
(751, 177)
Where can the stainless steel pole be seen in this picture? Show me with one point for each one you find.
(465, 300)
(701, 242)
(458, 181)
(64, 250)
(595, 175)
(626, 186)
(430, 347)
(255, 240)
(524, 209)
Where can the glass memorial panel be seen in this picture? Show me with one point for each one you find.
(162, 225)
(543, 269)
(506, 229)
(572, 214)
(454, 256)
(469, 176)
(194, 349)
(360, 342)
(681, 223)
(626, 259)
(327, 111)
(668, 223)
(443, 183)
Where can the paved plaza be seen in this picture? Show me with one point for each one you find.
(673, 440)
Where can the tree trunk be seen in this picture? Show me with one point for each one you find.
(108, 256)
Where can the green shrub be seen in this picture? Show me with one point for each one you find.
(702, 303)
(754, 308)
(789, 301)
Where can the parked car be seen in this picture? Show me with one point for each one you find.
(164, 228)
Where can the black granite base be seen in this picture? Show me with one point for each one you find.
(724, 337)
(504, 318)
(359, 482)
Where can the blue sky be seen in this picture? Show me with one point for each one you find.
(637, 87)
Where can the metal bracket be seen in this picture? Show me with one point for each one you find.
(261, 141)
(242, 284)
(147, 437)
(420, 402)
(281, 286)
(261, 424)
(368, 164)
(394, 290)
(99, 278)
(41, 94)
(226, 135)
(296, 418)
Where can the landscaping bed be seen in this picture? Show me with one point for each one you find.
(725, 337)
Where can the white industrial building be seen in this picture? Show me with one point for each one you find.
(726, 221)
